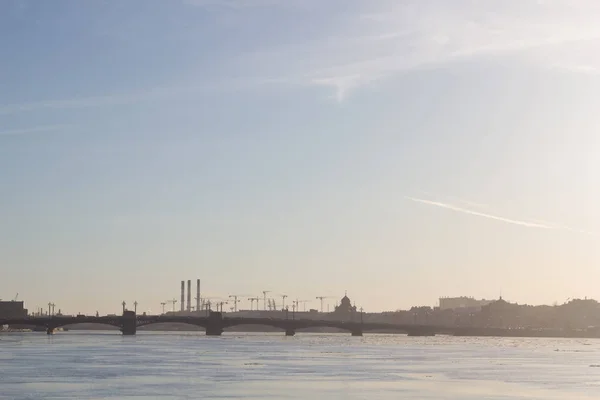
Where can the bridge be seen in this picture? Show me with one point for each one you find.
(215, 323)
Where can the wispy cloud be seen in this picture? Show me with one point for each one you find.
(375, 40)
(365, 42)
(94, 101)
(131, 97)
(35, 129)
(235, 4)
(481, 214)
(578, 68)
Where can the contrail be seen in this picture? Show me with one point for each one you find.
(460, 200)
(577, 230)
(480, 214)
(47, 128)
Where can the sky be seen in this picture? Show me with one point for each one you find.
(397, 150)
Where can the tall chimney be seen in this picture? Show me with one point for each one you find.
(198, 295)
(182, 295)
(189, 297)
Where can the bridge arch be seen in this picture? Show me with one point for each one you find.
(339, 326)
(53, 323)
(293, 324)
(281, 325)
(21, 324)
(75, 323)
(172, 320)
(156, 325)
(321, 329)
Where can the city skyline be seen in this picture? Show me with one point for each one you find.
(400, 151)
(272, 301)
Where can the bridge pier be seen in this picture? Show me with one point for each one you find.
(357, 332)
(214, 331)
(214, 326)
(422, 331)
(129, 323)
(290, 332)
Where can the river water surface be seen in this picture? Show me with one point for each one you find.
(86, 365)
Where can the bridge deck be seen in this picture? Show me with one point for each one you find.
(226, 322)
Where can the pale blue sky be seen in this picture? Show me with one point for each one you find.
(400, 150)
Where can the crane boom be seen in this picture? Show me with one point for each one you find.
(173, 302)
(265, 298)
(303, 302)
(322, 298)
(235, 301)
(252, 300)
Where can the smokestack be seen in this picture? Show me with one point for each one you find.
(189, 298)
(198, 295)
(182, 295)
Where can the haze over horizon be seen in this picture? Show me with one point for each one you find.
(401, 151)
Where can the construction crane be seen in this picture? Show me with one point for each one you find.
(252, 300)
(206, 304)
(217, 301)
(173, 302)
(265, 298)
(220, 305)
(163, 306)
(235, 300)
(303, 302)
(16, 297)
(322, 298)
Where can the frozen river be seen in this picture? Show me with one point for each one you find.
(88, 365)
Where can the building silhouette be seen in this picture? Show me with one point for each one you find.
(462, 302)
(345, 311)
(12, 309)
